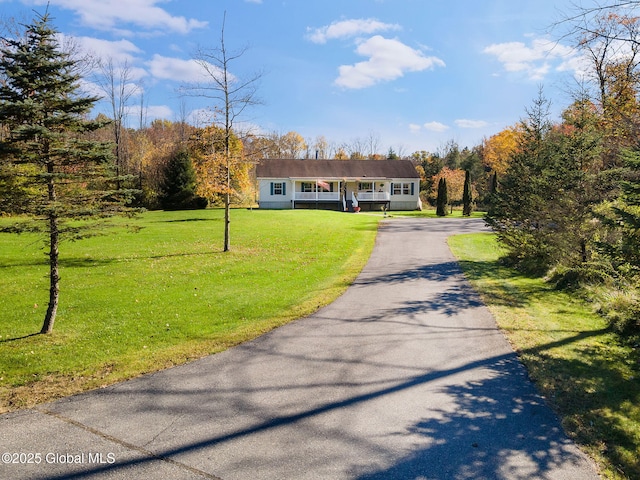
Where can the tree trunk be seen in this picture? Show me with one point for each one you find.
(227, 201)
(54, 277)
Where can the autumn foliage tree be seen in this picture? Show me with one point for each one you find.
(500, 148)
(455, 183)
(232, 96)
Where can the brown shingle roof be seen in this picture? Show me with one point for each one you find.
(328, 169)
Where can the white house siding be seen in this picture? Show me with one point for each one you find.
(402, 200)
(272, 200)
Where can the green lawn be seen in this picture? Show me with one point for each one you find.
(586, 372)
(429, 212)
(136, 302)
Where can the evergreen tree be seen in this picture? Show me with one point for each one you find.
(467, 198)
(518, 212)
(625, 252)
(493, 188)
(442, 199)
(179, 185)
(543, 211)
(63, 175)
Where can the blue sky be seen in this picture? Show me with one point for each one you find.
(415, 74)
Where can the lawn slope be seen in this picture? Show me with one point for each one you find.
(136, 302)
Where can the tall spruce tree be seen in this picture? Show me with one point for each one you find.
(467, 197)
(65, 176)
(179, 185)
(625, 252)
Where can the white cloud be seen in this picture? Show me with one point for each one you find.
(348, 29)
(464, 123)
(436, 127)
(110, 14)
(388, 59)
(179, 70)
(414, 127)
(119, 51)
(152, 112)
(534, 60)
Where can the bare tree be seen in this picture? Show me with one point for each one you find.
(321, 147)
(230, 95)
(372, 141)
(117, 84)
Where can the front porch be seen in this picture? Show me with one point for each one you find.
(345, 194)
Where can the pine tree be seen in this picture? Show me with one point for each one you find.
(442, 199)
(179, 185)
(467, 198)
(626, 251)
(65, 176)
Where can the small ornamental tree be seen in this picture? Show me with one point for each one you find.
(63, 175)
(467, 198)
(442, 199)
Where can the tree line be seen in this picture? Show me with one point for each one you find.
(566, 203)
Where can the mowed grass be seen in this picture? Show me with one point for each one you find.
(136, 302)
(587, 373)
(429, 212)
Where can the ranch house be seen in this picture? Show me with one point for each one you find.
(345, 185)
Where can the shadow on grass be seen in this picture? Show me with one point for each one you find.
(594, 386)
(88, 262)
(497, 279)
(7, 340)
(184, 220)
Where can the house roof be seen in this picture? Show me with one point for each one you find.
(335, 169)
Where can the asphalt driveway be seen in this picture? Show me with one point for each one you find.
(403, 377)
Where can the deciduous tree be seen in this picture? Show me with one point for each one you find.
(232, 95)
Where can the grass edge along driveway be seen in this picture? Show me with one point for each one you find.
(589, 375)
(133, 303)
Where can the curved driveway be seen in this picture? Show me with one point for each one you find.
(403, 377)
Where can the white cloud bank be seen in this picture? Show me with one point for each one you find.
(180, 70)
(465, 123)
(535, 60)
(111, 14)
(436, 127)
(348, 29)
(389, 59)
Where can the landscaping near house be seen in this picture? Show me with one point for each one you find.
(134, 302)
(588, 374)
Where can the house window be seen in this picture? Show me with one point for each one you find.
(308, 187)
(277, 188)
(365, 187)
(402, 188)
